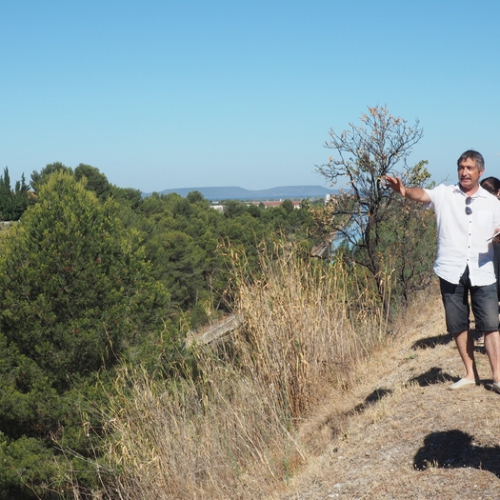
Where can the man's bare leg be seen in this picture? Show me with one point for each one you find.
(492, 347)
(465, 345)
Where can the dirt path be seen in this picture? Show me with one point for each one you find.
(406, 436)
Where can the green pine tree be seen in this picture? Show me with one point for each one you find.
(77, 296)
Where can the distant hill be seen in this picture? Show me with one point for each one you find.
(238, 193)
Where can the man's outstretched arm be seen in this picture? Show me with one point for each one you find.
(414, 194)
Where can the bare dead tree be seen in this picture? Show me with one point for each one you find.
(363, 156)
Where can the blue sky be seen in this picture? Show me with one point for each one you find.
(163, 94)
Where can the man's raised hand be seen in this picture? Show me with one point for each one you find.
(395, 184)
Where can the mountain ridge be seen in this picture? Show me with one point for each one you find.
(239, 193)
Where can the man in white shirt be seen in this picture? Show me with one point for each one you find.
(467, 217)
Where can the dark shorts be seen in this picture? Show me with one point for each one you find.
(484, 301)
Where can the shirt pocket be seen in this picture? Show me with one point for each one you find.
(485, 218)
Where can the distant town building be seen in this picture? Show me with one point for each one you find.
(266, 204)
(273, 204)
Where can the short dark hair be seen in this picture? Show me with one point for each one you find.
(491, 184)
(473, 155)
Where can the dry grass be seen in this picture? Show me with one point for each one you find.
(307, 327)
(232, 432)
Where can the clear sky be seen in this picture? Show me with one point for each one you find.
(190, 93)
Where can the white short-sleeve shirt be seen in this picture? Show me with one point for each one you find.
(462, 238)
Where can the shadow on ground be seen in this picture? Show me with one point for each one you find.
(455, 449)
(431, 342)
(333, 423)
(480, 349)
(371, 399)
(432, 376)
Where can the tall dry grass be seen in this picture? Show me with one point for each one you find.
(231, 431)
(307, 324)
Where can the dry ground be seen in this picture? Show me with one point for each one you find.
(402, 434)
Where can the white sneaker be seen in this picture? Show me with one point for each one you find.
(464, 382)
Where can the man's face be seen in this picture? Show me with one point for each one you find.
(468, 174)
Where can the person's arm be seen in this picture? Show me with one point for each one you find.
(414, 194)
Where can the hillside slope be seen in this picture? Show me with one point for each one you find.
(402, 434)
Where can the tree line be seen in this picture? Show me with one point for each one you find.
(13, 201)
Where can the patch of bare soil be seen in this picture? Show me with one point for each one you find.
(402, 434)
